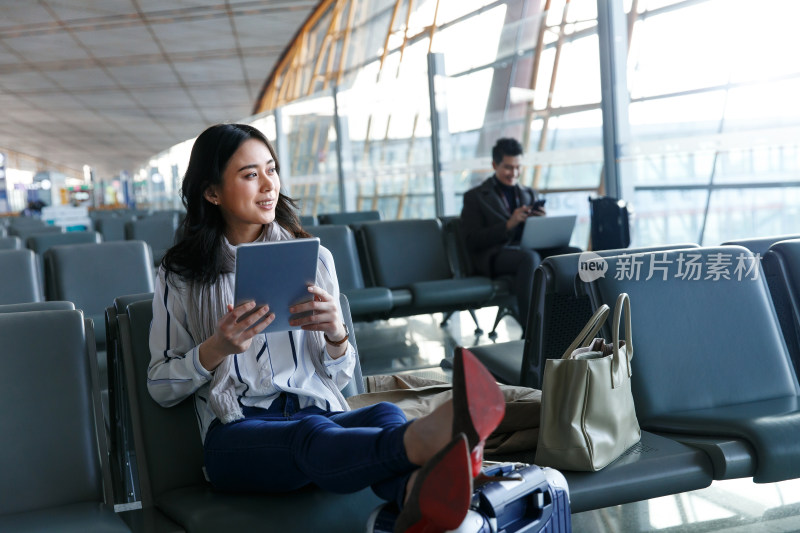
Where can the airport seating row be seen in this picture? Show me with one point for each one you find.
(58, 468)
(668, 462)
(383, 280)
(664, 462)
(176, 497)
(76, 267)
(712, 371)
(718, 441)
(157, 229)
(345, 217)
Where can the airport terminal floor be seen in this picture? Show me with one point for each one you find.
(417, 345)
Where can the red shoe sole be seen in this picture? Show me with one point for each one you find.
(446, 492)
(485, 400)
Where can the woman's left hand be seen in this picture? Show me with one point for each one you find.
(324, 314)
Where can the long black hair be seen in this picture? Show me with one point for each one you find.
(196, 255)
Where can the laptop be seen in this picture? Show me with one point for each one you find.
(276, 273)
(547, 231)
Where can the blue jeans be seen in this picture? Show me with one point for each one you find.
(282, 449)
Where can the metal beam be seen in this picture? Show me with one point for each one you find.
(612, 32)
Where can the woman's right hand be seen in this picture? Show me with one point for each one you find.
(232, 334)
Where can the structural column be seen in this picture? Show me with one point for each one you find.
(612, 32)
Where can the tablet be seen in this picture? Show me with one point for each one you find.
(276, 273)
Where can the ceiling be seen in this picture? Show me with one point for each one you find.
(110, 83)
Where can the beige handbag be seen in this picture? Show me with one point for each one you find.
(588, 417)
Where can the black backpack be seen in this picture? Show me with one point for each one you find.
(609, 221)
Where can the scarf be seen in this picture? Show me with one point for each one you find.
(209, 302)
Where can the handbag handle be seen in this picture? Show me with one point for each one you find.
(623, 304)
(589, 330)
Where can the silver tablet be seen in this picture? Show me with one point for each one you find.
(276, 273)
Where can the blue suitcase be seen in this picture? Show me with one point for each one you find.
(531, 499)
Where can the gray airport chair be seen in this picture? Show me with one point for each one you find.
(502, 295)
(349, 217)
(410, 258)
(173, 485)
(112, 228)
(710, 361)
(24, 222)
(41, 242)
(21, 280)
(558, 313)
(53, 456)
(92, 275)
(781, 265)
(23, 232)
(654, 467)
(365, 302)
(158, 231)
(308, 220)
(37, 306)
(760, 245)
(10, 243)
(124, 476)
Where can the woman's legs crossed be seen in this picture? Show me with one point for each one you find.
(341, 452)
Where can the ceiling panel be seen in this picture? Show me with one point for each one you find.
(269, 29)
(258, 68)
(11, 15)
(183, 36)
(105, 100)
(144, 75)
(161, 97)
(85, 82)
(25, 115)
(226, 70)
(149, 6)
(46, 47)
(7, 101)
(82, 79)
(25, 81)
(115, 42)
(74, 12)
(56, 102)
(230, 93)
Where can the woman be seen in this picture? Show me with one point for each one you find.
(268, 405)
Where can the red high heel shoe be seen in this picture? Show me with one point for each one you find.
(478, 404)
(441, 494)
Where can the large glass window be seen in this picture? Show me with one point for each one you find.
(712, 154)
(384, 110)
(714, 125)
(311, 171)
(535, 78)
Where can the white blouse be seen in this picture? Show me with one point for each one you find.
(274, 362)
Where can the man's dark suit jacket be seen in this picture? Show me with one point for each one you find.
(483, 219)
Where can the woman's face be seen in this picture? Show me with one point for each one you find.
(248, 195)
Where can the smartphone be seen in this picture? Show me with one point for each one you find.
(538, 203)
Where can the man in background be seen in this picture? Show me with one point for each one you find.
(493, 217)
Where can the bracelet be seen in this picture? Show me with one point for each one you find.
(340, 341)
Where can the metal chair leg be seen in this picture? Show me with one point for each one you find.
(478, 330)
